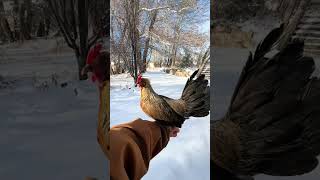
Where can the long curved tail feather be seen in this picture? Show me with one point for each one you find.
(196, 96)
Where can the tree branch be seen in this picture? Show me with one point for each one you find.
(62, 26)
(164, 8)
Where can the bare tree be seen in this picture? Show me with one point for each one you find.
(153, 17)
(132, 16)
(43, 24)
(118, 31)
(72, 17)
(4, 25)
(140, 27)
(183, 20)
(25, 19)
(22, 16)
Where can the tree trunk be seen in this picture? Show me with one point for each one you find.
(73, 20)
(138, 49)
(173, 62)
(176, 41)
(146, 47)
(83, 32)
(47, 23)
(25, 20)
(16, 19)
(132, 10)
(81, 60)
(21, 20)
(41, 30)
(4, 23)
(28, 20)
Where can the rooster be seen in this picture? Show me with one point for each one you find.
(272, 125)
(195, 101)
(99, 67)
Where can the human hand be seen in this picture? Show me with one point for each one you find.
(173, 131)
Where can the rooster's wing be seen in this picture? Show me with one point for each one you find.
(158, 108)
(177, 105)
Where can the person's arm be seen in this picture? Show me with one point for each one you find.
(133, 145)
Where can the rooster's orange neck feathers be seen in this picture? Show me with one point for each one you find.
(146, 88)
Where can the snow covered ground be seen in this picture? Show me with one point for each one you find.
(186, 156)
(46, 132)
(227, 65)
(50, 133)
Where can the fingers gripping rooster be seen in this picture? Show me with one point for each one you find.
(194, 101)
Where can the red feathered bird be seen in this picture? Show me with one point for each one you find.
(97, 64)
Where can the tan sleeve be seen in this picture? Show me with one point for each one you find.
(132, 146)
